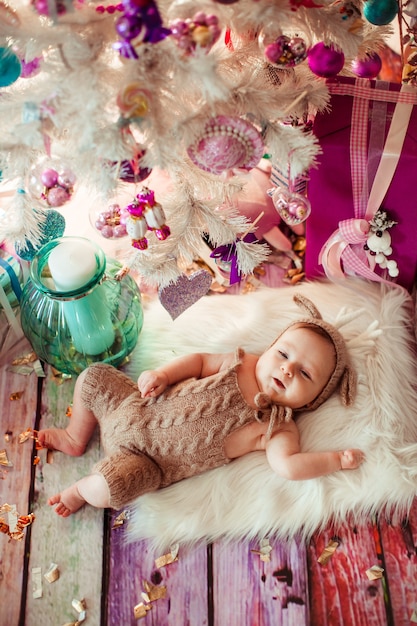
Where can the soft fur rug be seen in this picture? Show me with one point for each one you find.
(245, 499)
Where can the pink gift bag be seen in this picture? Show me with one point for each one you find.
(368, 168)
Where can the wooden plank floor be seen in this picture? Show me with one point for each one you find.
(221, 584)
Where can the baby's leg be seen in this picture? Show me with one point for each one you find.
(73, 439)
(92, 489)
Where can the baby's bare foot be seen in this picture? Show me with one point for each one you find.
(60, 439)
(351, 459)
(68, 502)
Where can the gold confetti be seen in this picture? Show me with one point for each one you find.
(4, 460)
(167, 559)
(375, 572)
(16, 395)
(52, 574)
(120, 519)
(264, 551)
(36, 582)
(79, 605)
(68, 412)
(328, 552)
(24, 360)
(141, 610)
(29, 433)
(153, 592)
(8, 436)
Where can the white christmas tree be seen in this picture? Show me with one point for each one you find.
(200, 90)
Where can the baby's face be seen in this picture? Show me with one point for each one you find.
(295, 369)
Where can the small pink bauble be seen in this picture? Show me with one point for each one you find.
(49, 177)
(293, 208)
(368, 67)
(227, 142)
(325, 61)
(57, 196)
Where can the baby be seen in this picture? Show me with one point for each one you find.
(202, 411)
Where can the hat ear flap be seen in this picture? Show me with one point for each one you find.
(307, 305)
(348, 386)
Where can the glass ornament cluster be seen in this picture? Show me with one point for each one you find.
(201, 30)
(52, 182)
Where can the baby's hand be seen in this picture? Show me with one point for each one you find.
(351, 459)
(151, 383)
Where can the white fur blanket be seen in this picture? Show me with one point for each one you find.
(245, 499)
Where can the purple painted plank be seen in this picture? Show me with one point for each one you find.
(251, 592)
(186, 600)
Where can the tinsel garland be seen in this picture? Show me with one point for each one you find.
(69, 110)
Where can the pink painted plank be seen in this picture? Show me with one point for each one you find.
(130, 565)
(400, 556)
(340, 592)
(250, 592)
(15, 417)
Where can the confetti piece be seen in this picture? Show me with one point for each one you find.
(52, 574)
(167, 559)
(4, 460)
(16, 395)
(29, 433)
(37, 582)
(24, 360)
(153, 592)
(375, 572)
(15, 522)
(120, 519)
(80, 606)
(8, 436)
(264, 551)
(141, 610)
(413, 617)
(328, 552)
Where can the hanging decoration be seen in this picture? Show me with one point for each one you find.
(227, 142)
(144, 214)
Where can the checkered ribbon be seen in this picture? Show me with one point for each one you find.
(343, 253)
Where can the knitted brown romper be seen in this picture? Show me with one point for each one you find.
(153, 442)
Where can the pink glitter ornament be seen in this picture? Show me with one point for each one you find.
(226, 143)
(325, 61)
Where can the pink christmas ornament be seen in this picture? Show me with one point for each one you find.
(293, 208)
(226, 143)
(286, 51)
(369, 67)
(145, 213)
(111, 223)
(179, 296)
(51, 181)
(325, 61)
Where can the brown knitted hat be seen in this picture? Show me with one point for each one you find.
(343, 375)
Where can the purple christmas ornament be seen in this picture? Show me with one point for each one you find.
(369, 67)
(325, 61)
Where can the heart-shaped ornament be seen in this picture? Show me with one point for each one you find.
(187, 290)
